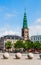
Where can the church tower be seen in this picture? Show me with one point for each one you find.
(25, 30)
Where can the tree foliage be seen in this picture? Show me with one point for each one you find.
(23, 44)
(19, 44)
(8, 45)
(28, 44)
(37, 45)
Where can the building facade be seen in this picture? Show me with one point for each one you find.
(4, 39)
(1, 43)
(36, 38)
(25, 30)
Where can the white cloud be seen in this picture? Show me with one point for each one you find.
(8, 15)
(37, 21)
(35, 30)
(8, 31)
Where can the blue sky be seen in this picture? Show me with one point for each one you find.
(11, 16)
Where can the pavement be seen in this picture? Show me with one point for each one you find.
(23, 61)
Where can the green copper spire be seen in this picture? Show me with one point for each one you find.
(25, 20)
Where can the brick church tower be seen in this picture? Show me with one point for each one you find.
(25, 30)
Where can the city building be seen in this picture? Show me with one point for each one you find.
(25, 30)
(4, 39)
(1, 43)
(36, 38)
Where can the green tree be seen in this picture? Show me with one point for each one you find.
(37, 45)
(19, 44)
(29, 44)
(8, 45)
